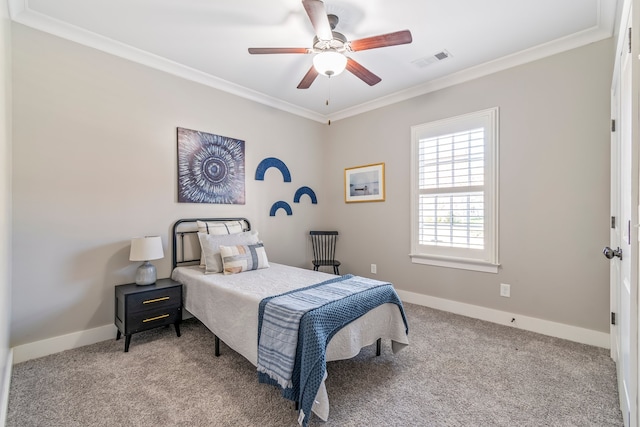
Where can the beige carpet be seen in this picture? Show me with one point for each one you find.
(456, 372)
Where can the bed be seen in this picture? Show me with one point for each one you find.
(229, 304)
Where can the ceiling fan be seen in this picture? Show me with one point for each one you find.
(330, 47)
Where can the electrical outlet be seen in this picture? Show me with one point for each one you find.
(505, 290)
(374, 269)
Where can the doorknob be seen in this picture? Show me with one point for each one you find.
(610, 253)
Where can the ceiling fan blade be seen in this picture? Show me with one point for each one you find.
(318, 16)
(362, 73)
(308, 78)
(391, 39)
(268, 50)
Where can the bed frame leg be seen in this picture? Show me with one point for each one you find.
(217, 345)
(379, 347)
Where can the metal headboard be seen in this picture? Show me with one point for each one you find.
(184, 243)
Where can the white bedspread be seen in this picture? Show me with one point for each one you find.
(228, 306)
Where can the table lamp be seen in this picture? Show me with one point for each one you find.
(145, 249)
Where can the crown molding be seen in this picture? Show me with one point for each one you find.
(573, 41)
(20, 12)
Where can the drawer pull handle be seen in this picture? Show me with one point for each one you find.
(151, 319)
(149, 301)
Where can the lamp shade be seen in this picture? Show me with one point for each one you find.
(146, 248)
(329, 63)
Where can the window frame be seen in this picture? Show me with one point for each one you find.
(485, 260)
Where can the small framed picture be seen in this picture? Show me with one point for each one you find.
(364, 183)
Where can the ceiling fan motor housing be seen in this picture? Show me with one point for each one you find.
(337, 43)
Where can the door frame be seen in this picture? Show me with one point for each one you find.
(630, 9)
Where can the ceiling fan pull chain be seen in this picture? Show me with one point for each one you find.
(328, 92)
(329, 98)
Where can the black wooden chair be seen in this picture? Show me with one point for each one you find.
(324, 249)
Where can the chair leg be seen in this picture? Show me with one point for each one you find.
(336, 270)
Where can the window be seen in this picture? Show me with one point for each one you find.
(454, 179)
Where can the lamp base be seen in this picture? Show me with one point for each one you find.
(146, 274)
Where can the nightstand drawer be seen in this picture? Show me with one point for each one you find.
(161, 298)
(144, 320)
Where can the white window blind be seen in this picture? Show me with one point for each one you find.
(454, 182)
(451, 196)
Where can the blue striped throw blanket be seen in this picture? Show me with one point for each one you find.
(294, 329)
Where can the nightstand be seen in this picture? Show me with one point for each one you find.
(139, 308)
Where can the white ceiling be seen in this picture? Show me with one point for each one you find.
(207, 41)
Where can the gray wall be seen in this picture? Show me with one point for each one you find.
(554, 189)
(5, 191)
(94, 164)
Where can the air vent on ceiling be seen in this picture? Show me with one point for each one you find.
(428, 60)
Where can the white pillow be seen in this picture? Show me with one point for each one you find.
(211, 243)
(239, 258)
(218, 228)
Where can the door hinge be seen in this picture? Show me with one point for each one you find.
(613, 318)
(613, 222)
(613, 125)
(629, 39)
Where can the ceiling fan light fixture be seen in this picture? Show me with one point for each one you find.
(330, 63)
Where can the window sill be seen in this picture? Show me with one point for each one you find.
(458, 263)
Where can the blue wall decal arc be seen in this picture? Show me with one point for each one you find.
(272, 162)
(305, 190)
(280, 205)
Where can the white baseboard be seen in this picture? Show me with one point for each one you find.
(6, 382)
(22, 353)
(545, 327)
(53, 345)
